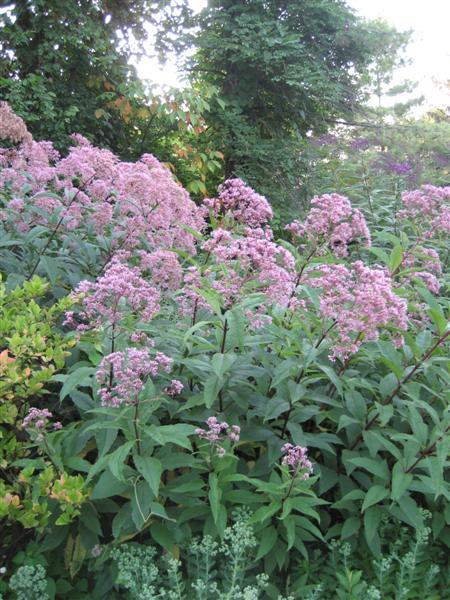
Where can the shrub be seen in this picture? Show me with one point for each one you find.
(214, 368)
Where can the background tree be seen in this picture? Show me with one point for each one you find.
(282, 69)
(387, 47)
(65, 66)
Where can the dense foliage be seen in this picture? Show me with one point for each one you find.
(64, 66)
(181, 374)
(281, 70)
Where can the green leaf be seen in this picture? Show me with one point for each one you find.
(116, 460)
(375, 494)
(222, 363)
(162, 536)
(80, 377)
(212, 386)
(268, 539)
(214, 495)
(150, 468)
(377, 467)
(400, 481)
(395, 260)
(108, 486)
(265, 512)
(372, 518)
(350, 527)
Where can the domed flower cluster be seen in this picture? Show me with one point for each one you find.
(429, 207)
(332, 223)
(428, 263)
(122, 375)
(241, 202)
(105, 300)
(139, 205)
(164, 268)
(360, 302)
(251, 261)
(12, 127)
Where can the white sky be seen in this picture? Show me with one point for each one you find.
(429, 49)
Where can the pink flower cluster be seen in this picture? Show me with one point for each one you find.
(360, 302)
(164, 268)
(38, 420)
(241, 202)
(105, 300)
(296, 458)
(12, 127)
(122, 375)
(219, 432)
(428, 261)
(251, 261)
(175, 388)
(138, 204)
(332, 223)
(429, 205)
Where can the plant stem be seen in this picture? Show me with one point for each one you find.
(398, 387)
(222, 350)
(431, 448)
(299, 377)
(136, 426)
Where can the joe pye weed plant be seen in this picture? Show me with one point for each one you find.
(213, 368)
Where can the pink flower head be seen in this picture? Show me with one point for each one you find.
(296, 458)
(12, 127)
(252, 261)
(360, 301)
(428, 261)
(38, 420)
(429, 208)
(106, 299)
(218, 432)
(175, 388)
(241, 202)
(122, 375)
(165, 269)
(332, 222)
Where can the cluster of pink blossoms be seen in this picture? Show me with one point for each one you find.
(138, 204)
(175, 388)
(38, 420)
(122, 375)
(219, 432)
(105, 300)
(333, 223)
(360, 301)
(164, 268)
(427, 259)
(429, 206)
(12, 127)
(252, 260)
(296, 458)
(241, 202)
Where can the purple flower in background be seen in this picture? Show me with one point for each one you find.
(390, 164)
(441, 160)
(359, 144)
(327, 139)
(399, 168)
